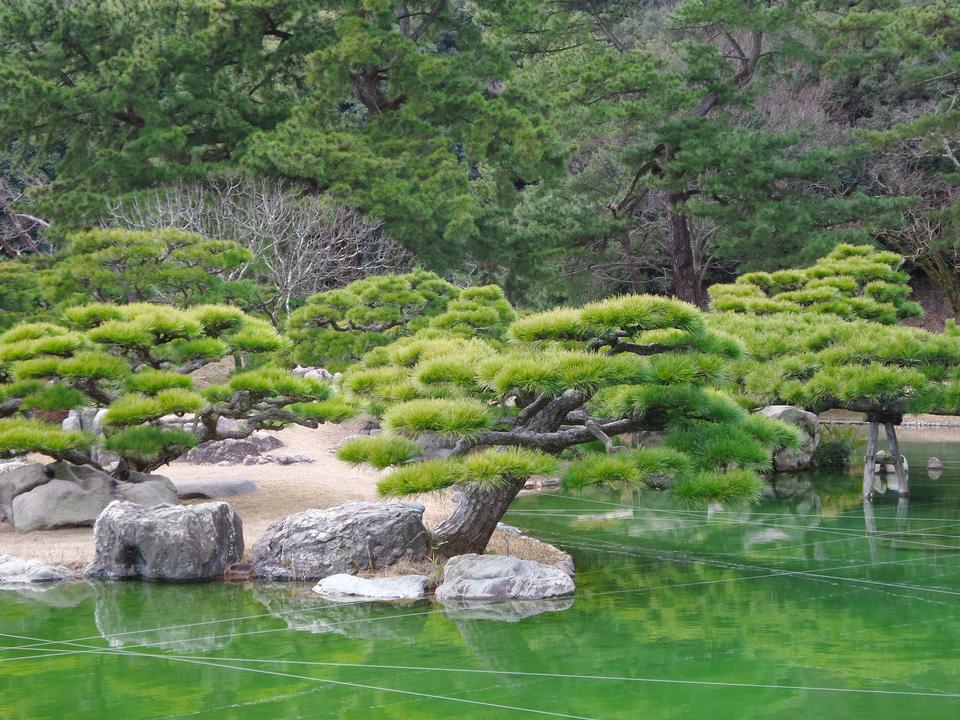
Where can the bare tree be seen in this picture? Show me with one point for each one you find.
(21, 233)
(301, 243)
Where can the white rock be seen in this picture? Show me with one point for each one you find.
(343, 587)
(14, 571)
(501, 577)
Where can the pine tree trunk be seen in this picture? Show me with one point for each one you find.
(686, 282)
(870, 460)
(903, 482)
(469, 528)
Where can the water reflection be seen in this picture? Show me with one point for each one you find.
(509, 611)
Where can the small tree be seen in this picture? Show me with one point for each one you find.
(825, 337)
(169, 266)
(135, 361)
(567, 384)
(336, 327)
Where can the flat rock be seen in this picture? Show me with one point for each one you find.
(60, 503)
(275, 459)
(14, 571)
(173, 543)
(156, 491)
(232, 451)
(343, 587)
(213, 488)
(315, 544)
(501, 577)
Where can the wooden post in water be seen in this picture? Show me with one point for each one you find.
(870, 461)
(898, 458)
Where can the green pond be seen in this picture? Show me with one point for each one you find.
(802, 606)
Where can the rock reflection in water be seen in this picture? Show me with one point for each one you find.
(302, 609)
(57, 595)
(510, 611)
(181, 618)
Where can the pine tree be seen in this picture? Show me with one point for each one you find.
(827, 337)
(570, 384)
(135, 361)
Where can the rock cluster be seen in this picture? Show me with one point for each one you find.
(232, 451)
(43, 497)
(14, 571)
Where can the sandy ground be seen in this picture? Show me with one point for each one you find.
(281, 490)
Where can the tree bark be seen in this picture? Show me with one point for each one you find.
(870, 460)
(469, 528)
(684, 276)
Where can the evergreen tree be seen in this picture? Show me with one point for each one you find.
(571, 383)
(826, 337)
(135, 361)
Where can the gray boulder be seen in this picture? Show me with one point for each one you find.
(89, 419)
(785, 460)
(147, 490)
(16, 480)
(356, 536)
(75, 495)
(14, 571)
(232, 451)
(343, 587)
(213, 488)
(276, 459)
(172, 543)
(501, 577)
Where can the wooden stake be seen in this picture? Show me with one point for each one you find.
(902, 480)
(873, 430)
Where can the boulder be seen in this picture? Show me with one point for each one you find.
(314, 544)
(16, 480)
(171, 543)
(89, 419)
(155, 490)
(75, 496)
(501, 577)
(276, 459)
(934, 463)
(343, 587)
(14, 571)
(232, 451)
(785, 460)
(213, 488)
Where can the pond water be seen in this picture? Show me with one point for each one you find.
(802, 606)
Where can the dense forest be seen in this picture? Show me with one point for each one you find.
(565, 149)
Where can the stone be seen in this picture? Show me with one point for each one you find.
(89, 419)
(934, 463)
(166, 543)
(315, 544)
(785, 460)
(276, 459)
(62, 503)
(232, 451)
(501, 577)
(18, 480)
(156, 491)
(213, 488)
(14, 571)
(343, 587)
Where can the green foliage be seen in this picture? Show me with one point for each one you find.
(853, 281)
(446, 417)
(53, 397)
(642, 467)
(336, 327)
(333, 410)
(731, 488)
(380, 451)
(837, 446)
(424, 477)
(149, 444)
(19, 436)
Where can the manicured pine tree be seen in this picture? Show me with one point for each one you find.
(569, 384)
(827, 337)
(135, 361)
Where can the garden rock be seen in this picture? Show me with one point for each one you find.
(14, 571)
(785, 460)
(232, 451)
(356, 536)
(213, 488)
(172, 543)
(276, 459)
(72, 495)
(343, 587)
(501, 577)
(147, 490)
(16, 480)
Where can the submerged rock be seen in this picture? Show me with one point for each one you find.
(349, 587)
(501, 577)
(174, 543)
(315, 544)
(15, 571)
(785, 460)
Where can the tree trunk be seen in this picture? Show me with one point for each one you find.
(469, 528)
(870, 460)
(684, 276)
(902, 481)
